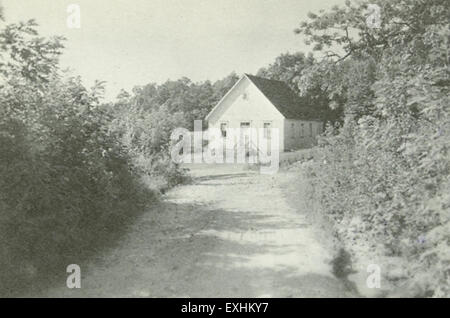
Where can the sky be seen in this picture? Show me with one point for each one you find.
(136, 42)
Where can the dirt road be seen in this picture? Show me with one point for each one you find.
(231, 233)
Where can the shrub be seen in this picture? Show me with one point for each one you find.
(383, 174)
(66, 181)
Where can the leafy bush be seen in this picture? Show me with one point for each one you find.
(66, 180)
(146, 137)
(384, 174)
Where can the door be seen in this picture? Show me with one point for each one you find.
(245, 137)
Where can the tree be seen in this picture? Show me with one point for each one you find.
(291, 69)
(66, 180)
(385, 173)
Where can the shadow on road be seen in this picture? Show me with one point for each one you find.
(186, 246)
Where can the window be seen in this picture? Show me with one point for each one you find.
(245, 129)
(223, 129)
(310, 129)
(292, 130)
(267, 130)
(302, 132)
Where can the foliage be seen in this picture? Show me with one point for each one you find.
(66, 181)
(194, 100)
(146, 118)
(383, 176)
(291, 68)
(73, 169)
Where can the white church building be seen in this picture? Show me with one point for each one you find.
(256, 102)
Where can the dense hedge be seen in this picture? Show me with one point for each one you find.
(383, 175)
(67, 182)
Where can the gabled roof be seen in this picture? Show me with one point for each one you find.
(285, 100)
(288, 103)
